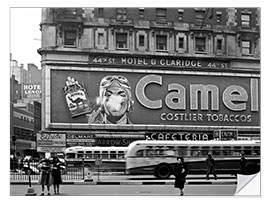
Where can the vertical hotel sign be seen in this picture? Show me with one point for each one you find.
(31, 91)
(51, 142)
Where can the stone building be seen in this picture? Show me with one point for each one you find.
(194, 72)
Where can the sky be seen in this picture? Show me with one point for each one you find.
(25, 35)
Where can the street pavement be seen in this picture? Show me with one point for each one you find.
(132, 185)
(134, 190)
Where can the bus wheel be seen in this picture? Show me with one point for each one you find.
(252, 169)
(163, 171)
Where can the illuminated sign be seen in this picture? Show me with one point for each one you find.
(114, 141)
(226, 134)
(51, 139)
(184, 136)
(80, 139)
(161, 98)
(51, 142)
(31, 91)
(51, 149)
(234, 97)
(158, 62)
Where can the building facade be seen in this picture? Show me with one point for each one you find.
(23, 139)
(188, 73)
(17, 70)
(25, 109)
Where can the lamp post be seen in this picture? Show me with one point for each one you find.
(13, 138)
(30, 191)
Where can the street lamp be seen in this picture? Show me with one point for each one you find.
(14, 138)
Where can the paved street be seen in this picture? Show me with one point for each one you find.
(141, 190)
(134, 185)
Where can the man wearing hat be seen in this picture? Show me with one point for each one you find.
(115, 101)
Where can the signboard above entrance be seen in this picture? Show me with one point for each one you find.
(162, 62)
(51, 142)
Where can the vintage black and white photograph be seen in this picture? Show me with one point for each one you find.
(135, 101)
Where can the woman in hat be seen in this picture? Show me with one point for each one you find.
(56, 174)
(180, 175)
(45, 176)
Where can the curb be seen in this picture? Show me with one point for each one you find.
(133, 183)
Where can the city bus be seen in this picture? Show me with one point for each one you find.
(158, 158)
(110, 158)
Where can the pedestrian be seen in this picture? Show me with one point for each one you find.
(180, 175)
(243, 164)
(210, 166)
(45, 176)
(56, 174)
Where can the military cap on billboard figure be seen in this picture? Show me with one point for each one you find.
(115, 101)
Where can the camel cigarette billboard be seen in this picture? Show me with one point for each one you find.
(154, 98)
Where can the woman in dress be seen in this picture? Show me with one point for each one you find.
(56, 174)
(180, 175)
(45, 176)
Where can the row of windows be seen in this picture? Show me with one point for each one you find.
(26, 119)
(96, 154)
(161, 15)
(23, 133)
(161, 44)
(23, 117)
(198, 151)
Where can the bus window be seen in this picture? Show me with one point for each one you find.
(96, 154)
(182, 151)
(194, 151)
(226, 151)
(159, 151)
(148, 151)
(70, 156)
(113, 155)
(204, 150)
(80, 154)
(169, 152)
(88, 154)
(247, 150)
(139, 153)
(104, 155)
(216, 151)
(256, 150)
(121, 155)
(153, 152)
(236, 151)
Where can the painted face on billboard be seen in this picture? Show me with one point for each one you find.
(115, 101)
